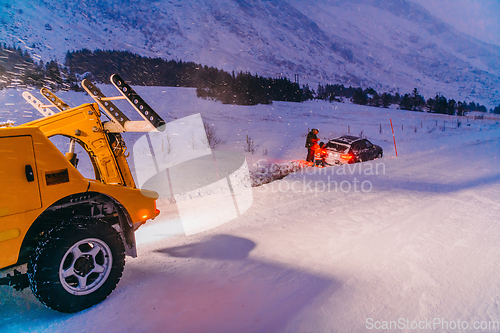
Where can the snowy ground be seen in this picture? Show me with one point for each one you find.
(408, 241)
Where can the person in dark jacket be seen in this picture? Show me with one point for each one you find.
(312, 139)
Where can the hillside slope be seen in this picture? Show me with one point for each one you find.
(388, 45)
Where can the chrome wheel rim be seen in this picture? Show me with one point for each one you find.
(85, 266)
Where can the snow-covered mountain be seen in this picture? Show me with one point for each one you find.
(389, 45)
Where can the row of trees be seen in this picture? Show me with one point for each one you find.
(438, 104)
(496, 110)
(17, 68)
(98, 65)
(413, 101)
(246, 89)
(243, 88)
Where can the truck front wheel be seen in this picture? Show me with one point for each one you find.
(76, 265)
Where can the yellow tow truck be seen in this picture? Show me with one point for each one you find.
(71, 232)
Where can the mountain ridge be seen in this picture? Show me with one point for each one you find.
(393, 45)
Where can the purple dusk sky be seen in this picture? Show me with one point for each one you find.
(477, 18)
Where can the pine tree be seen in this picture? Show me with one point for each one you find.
(359, 97)
(417, 100)
(386, 100)
(406, 102)
(451, 107)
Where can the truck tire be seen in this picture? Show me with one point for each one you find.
(76, 265)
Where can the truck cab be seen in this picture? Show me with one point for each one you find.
(73, 232)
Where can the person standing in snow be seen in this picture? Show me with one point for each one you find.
(320, 155)
(312, 139)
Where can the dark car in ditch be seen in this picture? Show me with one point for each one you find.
(351, 149)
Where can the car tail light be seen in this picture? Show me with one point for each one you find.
(346, 157)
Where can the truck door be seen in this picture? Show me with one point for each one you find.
(19, 190)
